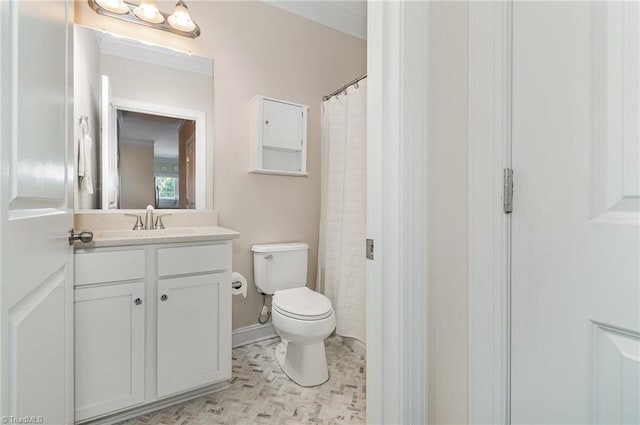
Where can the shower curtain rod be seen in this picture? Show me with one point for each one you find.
(343, 88)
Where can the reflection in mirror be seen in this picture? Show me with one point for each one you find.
(156, 164)
(144, 110)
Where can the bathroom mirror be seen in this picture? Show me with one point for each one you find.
(144, 124)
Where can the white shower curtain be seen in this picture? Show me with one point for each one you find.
(341, 253)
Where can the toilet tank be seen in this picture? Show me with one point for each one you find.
(280, 266)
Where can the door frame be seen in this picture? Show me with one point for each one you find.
(489, 234)
(397, 350)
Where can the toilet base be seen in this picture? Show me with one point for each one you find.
(304, 364)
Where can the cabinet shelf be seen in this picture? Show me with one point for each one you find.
(281, 149)
(279, 173)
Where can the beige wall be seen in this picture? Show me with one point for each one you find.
(448, 213)
(137, 184)
(259, 49)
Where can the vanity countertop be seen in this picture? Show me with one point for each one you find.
(103, 238)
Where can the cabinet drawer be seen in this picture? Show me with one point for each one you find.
(193, 259)
(110, 266)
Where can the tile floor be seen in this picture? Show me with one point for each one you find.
(260, 393)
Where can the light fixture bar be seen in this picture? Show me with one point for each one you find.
(131, 17)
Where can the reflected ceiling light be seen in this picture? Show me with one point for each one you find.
(115, 6)
(180, 19)
(147, 13)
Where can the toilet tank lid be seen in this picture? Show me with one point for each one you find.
(280, 247)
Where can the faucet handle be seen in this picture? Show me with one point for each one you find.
(138, 225)
(159, 224)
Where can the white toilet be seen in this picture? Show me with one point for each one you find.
(303, 318)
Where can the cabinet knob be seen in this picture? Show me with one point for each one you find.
(164, 297)
(137, 301)
(266, 122)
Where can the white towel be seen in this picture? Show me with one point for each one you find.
(85, 144)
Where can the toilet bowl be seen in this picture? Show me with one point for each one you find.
(303, 318)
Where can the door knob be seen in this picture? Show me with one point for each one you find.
(85, 236)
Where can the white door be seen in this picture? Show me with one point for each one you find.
(109, 348)
(36, 327)
(575, 230)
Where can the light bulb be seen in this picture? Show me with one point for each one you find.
(180, 18)
(114, 6)
(148, 11)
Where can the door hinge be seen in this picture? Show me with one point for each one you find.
(507, 191)
(369, 249)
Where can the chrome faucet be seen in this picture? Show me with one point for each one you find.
(158, 223)
(148, 218)
(138, 225)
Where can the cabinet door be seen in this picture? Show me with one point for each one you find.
(194, 331)
(282, 126)
(109, 348)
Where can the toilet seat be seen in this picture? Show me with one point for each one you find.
(302, 304)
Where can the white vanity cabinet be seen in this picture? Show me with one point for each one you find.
(152, 322)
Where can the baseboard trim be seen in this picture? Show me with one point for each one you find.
(252, 333)
(156, 405)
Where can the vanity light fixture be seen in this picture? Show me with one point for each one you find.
(147, 13)
(114, 6)
(180, 19)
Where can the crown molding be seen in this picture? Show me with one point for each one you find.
(128, 48)
(328, 13)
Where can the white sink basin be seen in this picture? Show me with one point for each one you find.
(157, 233)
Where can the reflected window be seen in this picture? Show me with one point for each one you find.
(167, 192)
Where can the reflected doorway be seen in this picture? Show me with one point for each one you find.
(156, 161)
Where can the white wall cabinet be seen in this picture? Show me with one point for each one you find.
(279, 137)
(109, 348)
(150, 329)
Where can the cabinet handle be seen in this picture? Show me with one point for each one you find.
(164, 297)
(137, 301)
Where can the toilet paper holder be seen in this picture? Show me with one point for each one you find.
(238, 284)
